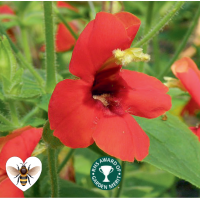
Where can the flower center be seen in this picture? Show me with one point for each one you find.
(108, 82)
(102, 98)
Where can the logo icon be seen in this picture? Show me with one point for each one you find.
(23, 175)
(105, 173)
(106, 170)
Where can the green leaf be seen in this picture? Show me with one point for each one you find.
(8, 62)
(82, 172)
(173, 147)
(35, 121)
(145, 181)
(4, 128)
(29, 89)
(16, 84)
(33, 18)
(22, 6)
(69, 189)
(1, 95)
(49, 138)
(44, 102)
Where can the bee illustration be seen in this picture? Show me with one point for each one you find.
(23, 173)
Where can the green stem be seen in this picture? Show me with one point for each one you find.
(22, 60)
(5, 120)
(25, 44)
(62, 19)
(30, 114)
(120, 186)
(50, 46)
(160, 24)
(156, 54)
(13, 113)
(53, 171)
(92, 8)
(66, 159)
(183, 43)
(150, 5)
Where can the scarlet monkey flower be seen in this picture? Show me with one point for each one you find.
(64, 39)
(98, 106)
(20, 143)
(189, 75)
(4, 9)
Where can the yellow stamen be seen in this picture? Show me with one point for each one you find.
(130, 55)
(174, 83)
(102, 98)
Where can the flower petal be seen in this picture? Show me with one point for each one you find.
(6, 10)
(196, 131)
(64, 39)
(109, 33)
(145, 96)
(81, 64)
(98, 40)
(121, 137)
(21, 146)
(3, 175)
(62, 4)
(189, 75)
(72, 113)
(182, 66)
(12, 135)
(131, 23)
(9, 190)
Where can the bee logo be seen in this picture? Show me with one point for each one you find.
(23, 173)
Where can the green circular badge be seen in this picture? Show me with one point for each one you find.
(106, 173)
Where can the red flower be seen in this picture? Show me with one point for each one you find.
(97, 107)
(187, 72)
(196, 131)
(20, 143)
(64, 39)
(7, 10)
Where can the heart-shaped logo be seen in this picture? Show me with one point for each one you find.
(23, 175)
